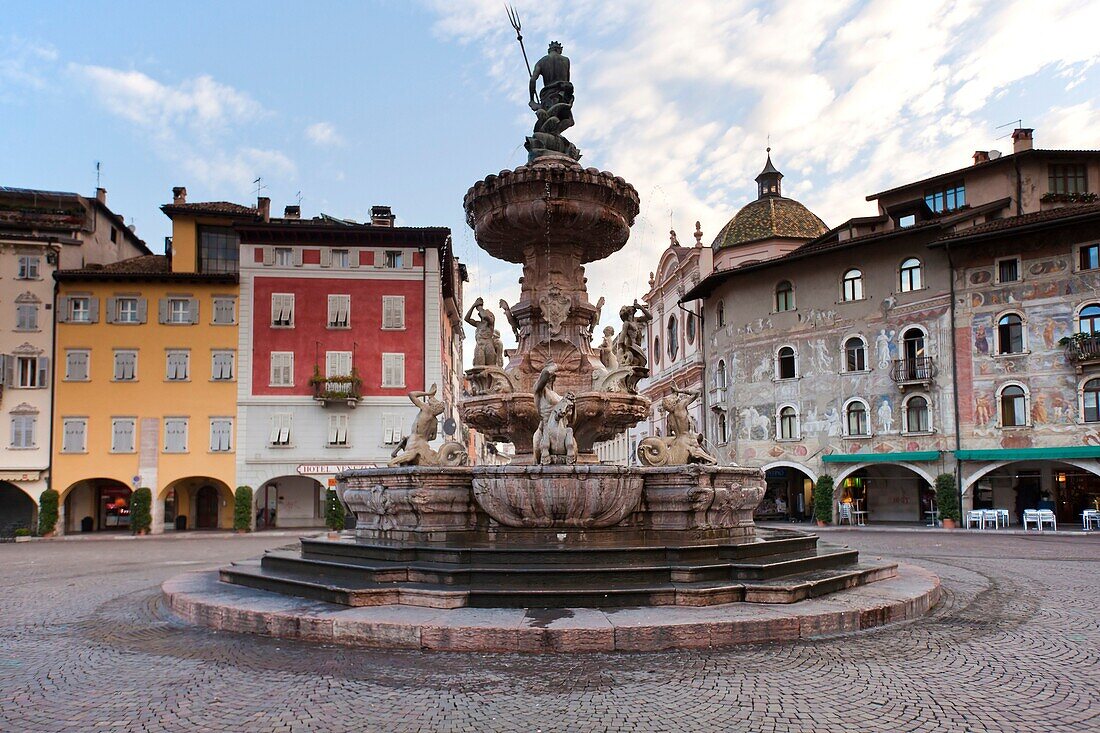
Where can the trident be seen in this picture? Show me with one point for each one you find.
(513, 18)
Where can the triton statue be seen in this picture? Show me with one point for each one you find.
(485, 336)
(681, 445)
(554, 441)
(628, 344)
(415, 449)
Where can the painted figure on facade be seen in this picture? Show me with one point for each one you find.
(629, 344)
(554, 441)
(682, 444)
(485, 338)
(415, 449)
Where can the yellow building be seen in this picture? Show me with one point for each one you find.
(146, 380)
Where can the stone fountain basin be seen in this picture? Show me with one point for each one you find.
(558, 496)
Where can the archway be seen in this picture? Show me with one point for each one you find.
(197, 502)
(17, 509)
(1066, 487)
(289, 501)
(789, 491)
(888, 492)
(97, 504)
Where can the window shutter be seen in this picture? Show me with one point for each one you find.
(333, 429)
(332, 308)
(297, 256)
(407, 259)
(62, 309)
(7, 363)
(379, 258)
(269, 256)
(93, 310)
(284, 430)
(112, 310)
(353, 258)
(193, 309)
(142, 310)
(326, 257)
(162, 310)
(43, 371)
(274, 437)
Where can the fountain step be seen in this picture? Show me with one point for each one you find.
(363, 593)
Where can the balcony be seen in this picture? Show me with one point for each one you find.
(1082, 351)
(337, 390)
(914, 373)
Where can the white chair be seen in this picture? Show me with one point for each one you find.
(990, 518)
(1031, 516)
(1046, 516)
(844, 511)
(1090, 517)
(974, 516)
(1004, 517)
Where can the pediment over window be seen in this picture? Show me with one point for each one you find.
(24, 408)
(27, 297)
(26, 350)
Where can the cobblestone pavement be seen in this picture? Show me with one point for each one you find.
(1015, 646)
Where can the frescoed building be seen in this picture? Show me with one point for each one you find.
(40, 233)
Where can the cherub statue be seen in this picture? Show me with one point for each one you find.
(415, 449)
(681, 445)
(628, 344)
(485, 342)
(607, 350)
(554, 441)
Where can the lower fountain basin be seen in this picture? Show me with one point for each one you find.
(558, 496)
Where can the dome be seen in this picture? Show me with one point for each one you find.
(770, 217)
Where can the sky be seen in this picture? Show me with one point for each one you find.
(351, 104)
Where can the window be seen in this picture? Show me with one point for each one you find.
(282, 310)
(1008, 271)
(1010, 334)
(179, 310)
(788, 424)
(392, 258)
(179, 366)
(907, 221)
(338, 307)
(393, 311)
(221, 366)
(656, 350)
(338, 429)
(219, 249)
(338, 364)
(282, 368)
(76, 365)
(280, 429)
(1088, 320)
(784, 297)
(125, 366)
(916, 415)
(720, 380)
(392, 428)
(852, 288)
(1013, 406)
(673, 333)
(340, 258)
(786, 366)
(28, 267)
(221, 434)
(80, 310)
(947, 198)
(1067, 178)
(720, 314)
(856, 419)
(26, 317)
(855, 355)
(225, 311)
(32, 372)
(74, 435)
(126, 310)
(1090, 257)
(689, 328)
(175, 435)
(122, 435)
(1090, 400)
(284, 256)
(911, 275)
(393, 370)
(22, 431)
(722, 427)
(114, 236)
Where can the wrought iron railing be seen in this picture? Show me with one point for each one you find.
(1081, 347)
(918, 369)
(337, 389)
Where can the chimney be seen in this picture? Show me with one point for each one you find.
(263, 208)
(1021, 139)
(981, 156)
(179, 195)
(101, 195)
(292, 212)
(381, 216)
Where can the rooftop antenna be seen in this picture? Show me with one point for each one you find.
(513, 18)
(299, 195)
(97, 174)
(1014, 123)
(259, 183)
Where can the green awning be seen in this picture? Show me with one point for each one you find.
(1030, 454)
(916, 456)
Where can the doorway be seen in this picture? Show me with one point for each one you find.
(206, 508)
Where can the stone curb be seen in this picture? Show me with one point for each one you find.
(181, 536)
(927, 530)
(200, 598)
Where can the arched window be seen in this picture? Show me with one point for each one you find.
(784, 297)
(1088, 321)
(788, 424)
(656, 350)
(855, 355)
(1013, 406)
(786, 366)
(856, 419)
(720, 375)
(689, 328)
(916, 415)
(853, 285)
(1010, 334)
(723, 428)
(911, 275)
(1090, 400)
(673, 338)
(720, 314)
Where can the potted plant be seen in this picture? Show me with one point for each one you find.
(334, 513)
(47, 513)
(823, 500)
(22, 535)
(141, 511)
(242, 509)
(947, 500)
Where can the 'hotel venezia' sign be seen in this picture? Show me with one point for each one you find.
(318, 469)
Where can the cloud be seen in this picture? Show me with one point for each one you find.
(24, 64)
(324, 135)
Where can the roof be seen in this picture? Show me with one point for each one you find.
(1036, 218)
(142, 267)
(769, 217)
(34, 209)
(210, 207)
(36, 192)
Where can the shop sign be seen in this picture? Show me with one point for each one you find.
(20, 475)
(320, 469)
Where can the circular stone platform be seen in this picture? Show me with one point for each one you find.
(202, 599)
